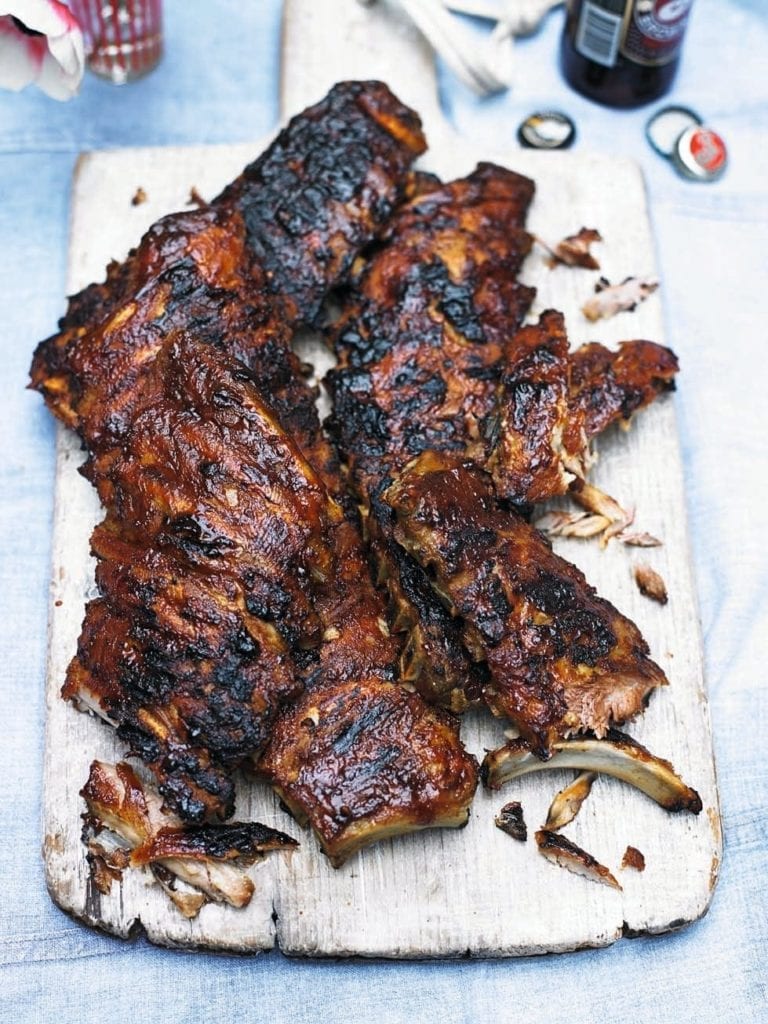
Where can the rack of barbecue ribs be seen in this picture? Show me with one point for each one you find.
(419, 344)
(231, 575)
(432, 358)
(413, 384)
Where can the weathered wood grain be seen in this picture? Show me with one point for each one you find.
(438, 893)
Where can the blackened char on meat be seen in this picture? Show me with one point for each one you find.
(419, 344)
(561, 659)
(221, 506)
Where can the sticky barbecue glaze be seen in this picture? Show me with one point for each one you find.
(562, 660)
(364, 760)
(219, 523)
(419, 344)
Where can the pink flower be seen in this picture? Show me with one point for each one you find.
(40, 41)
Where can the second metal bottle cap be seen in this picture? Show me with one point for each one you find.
(700, 154)
(665, 127)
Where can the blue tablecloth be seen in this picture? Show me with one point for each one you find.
(219, 83)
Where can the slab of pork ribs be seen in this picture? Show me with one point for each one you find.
(230, 570)
(562, 660)
(419, 344)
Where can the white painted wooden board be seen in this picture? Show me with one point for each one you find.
(435, 893)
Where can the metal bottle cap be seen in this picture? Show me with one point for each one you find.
(547, 129)
(700, 154)
(665, 127)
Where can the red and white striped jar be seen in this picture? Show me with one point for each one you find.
(123, 38)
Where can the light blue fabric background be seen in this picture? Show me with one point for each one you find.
(218, 83)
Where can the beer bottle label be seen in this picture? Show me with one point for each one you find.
(654, 30)
(647, 32)
(600, 29)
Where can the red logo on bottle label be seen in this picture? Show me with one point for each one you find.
(708, 149)
(655, 31)
(662, 20)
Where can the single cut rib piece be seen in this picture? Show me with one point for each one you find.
(551, 402)
(562, 660)
(419, 343)
(362, 760)
(421, 334)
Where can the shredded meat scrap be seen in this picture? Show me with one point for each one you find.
(210, 858)
(609, 299)
(575, 250)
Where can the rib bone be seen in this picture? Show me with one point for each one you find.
(617, 755)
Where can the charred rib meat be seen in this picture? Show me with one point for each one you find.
(357, 756)
(419, 345)
(551, 402)
(216, 524)
(364, 759)
(420, 339)
(206, 553)
(561, 659)
(608, 386)
(243, 272)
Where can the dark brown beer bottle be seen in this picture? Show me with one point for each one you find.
(623, 52)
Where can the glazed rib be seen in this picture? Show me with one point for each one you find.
(562, 660)
(357, 756)
(421, 334)
(364, 759)
(608, 386)
(419, 344)
(216, 523)
(552, 402)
